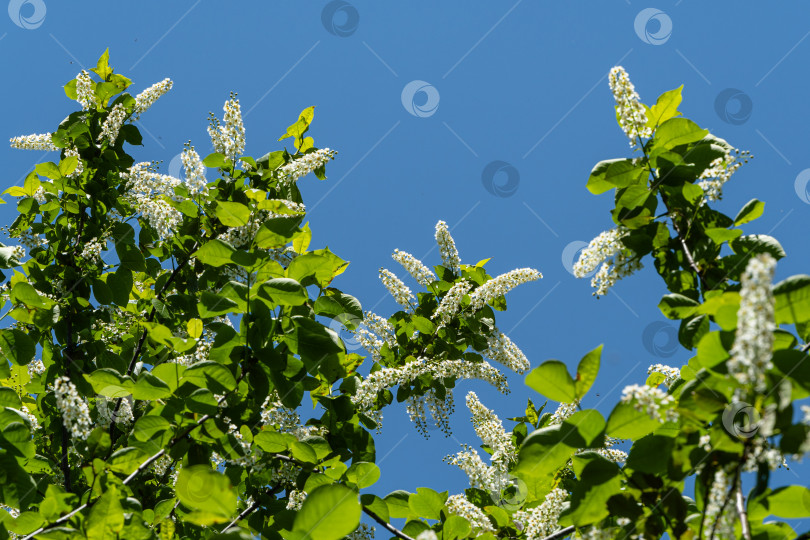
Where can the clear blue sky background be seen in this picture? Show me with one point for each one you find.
(521, 82)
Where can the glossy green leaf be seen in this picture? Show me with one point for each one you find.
(106, 518)
(552, 380)
(751, 211)
(215, 253)
(363, 474)
(792, 297)
(625, 422)
(328, 513)
(427, 503)
(232, 214)
(202, 488)
(587, 371)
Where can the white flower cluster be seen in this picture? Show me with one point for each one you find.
(715, 515)
(92, 250)
(489, 429)
(608, 452)
(296, 499)
(39, 195)
(244, 235)
(753, 344)
(145, 99)
(630, 112)
(228, 139)
(34, 142)
(74, 152)
(112, 124)
(27, 238)
(161, 465)
(195, 171)
(304, 165)
(501, 285)
(670, 374)
(447, 248)
(373, 333)
(31, 418)
(148, 191)
(451, 303)
(421, 273)
(608, 251)
(454, 369)
(503, 350)
(84, 90)
(75, 414)
(460, 506)
(650, 400)
(480, 475)
(440, 411)
(563, 412)
(429, 534)
(363, 532)
(107, 414)
(35, 367)
(284, 419)
(541, 521)
(401, 293)
(719, 172)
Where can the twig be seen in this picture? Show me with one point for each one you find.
(393, 530)
(562, 533)
(740, 501)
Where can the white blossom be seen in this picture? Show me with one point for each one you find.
(563, 412)
(421, 273)
(447, 248)
(753, 344)
(145, 99)
(499, 286)
(228, 139)
(284, 419)
(460, 506)
(31, 418)
(244, 235)
(670, 374)
(363, 532)
(489, 429)
(401, 293)
(428, 534)
(650, 400)
(631, 114)
(34, 142)
(719, 172)
(451, 303)
(480, 475)
(503, 350)
(36, 367)
(440, 411)
(75, 414)
(608, 251)
(296, 499)
(381, 327)
(195, 171)
(715, 515)
(304, 165)
(74, 152)
(148, 191)
(92, 250)
(84, 90)
(107, 413)
(112, 124)
(541, 521)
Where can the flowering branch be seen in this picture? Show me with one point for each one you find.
(562, 533)
(393, 530)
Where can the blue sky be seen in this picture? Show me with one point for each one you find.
(523, 83)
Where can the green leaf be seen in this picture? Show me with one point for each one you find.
(751, 211)
(599, 481)
(277, 232)
(344, 308)
(614, 173)
(201, 488)
(273, 441)
(216, 161)
(792, 297)
(721, 234)
(677, 306)
(791, 502)
(665, 107)
(106, 517)
(215, 253)
(207, 373)
(9, 398)
(318, 267)
(584, 429)
(48, 170)
(427, 503)
(283, 292)
(625, 422)
(587, 370)
(232, 214)
(297, 129)
(214, 305)
(398, 506)
(16, 347)
(127, 460)
(676, 132)
(456, 527)
(757, 243)
(328, 513)
(120, 283)
(552, 380)
(650, 454)
(103, 69)
(149, 387)
(541, 455)
(363, 474)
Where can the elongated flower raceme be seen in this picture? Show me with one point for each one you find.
(451, 303)
(195, 171)
(501, 285)
(630, 112)
(401, 293)
(489, 429)
(447, 248)
(460, 506)
(608, 251)
(304, 165)
(652, 401)
(75, 414)
(74, 152)
(480, 475)
(503, 350)
(720, 517)
(84, 90)
(228, 138)
(421, 273)
(440, 410)
(112, 124)
(148, 191)
(542, 520)
(41, 142)
(719, 172)
(145, 99)
(381, 327)
(753, 344)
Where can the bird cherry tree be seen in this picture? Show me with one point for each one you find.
(166, 331)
